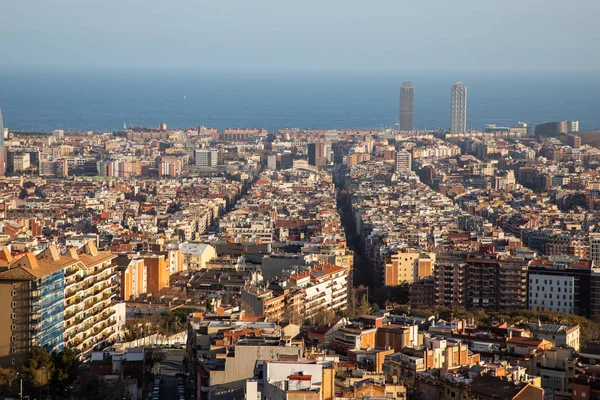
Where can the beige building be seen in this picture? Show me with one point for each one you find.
(195, 255)
(408, 267)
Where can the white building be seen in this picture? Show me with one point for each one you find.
(572, 126)
(403, 162)
(272, 162)
(560, 335)
(325, 288)
(551, 292)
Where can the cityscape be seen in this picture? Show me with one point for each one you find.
(266, 222)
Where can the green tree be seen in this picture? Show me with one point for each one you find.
(39, 367)
(66, 370)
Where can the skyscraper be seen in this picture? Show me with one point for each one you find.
(406, 107)
(2, 161)
(316, 154)
(459, 108)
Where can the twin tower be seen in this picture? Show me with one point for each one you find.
(458, 112)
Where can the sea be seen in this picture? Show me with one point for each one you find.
(44, 99)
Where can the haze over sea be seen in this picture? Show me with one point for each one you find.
(103, 100)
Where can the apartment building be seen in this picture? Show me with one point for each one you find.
(407, 267)
(195, 255)
(325, 287)
(496, 283)
(436, 353)
(560, 283)
(258, 302)
(450, 282)
(57, 300)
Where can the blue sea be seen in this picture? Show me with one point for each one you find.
(103, 100)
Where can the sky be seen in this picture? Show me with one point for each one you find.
(490, 35)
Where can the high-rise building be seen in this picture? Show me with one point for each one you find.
(207, 157)
(459, 108)
(56, 301)
(316, 154)
(403, 162)
(406, 107)
(272, 162)
(2, 162)
(573, 126)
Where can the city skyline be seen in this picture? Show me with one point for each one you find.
(241, 200)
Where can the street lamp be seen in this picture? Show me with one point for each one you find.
(20, 385)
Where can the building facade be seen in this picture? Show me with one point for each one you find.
(458, 122)
(406, 107)
(403, 162)
(57, 301)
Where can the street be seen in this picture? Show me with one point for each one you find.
(171, 365)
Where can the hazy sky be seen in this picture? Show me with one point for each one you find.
(315, 34)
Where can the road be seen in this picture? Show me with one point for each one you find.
(171, 364)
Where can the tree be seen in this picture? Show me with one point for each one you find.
(103, 390)
(364, 306)
(323, 317)
(291, 315)
(8, 376)
(66, 370)
(39, 367)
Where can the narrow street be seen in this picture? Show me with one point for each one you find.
(171, 365)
